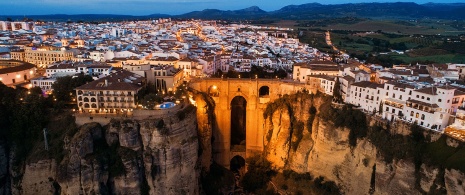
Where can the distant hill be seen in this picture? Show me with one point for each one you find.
(371, 10)
(250, 12)
(317, 11)
(399, 10)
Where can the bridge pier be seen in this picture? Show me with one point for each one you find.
(223, 91)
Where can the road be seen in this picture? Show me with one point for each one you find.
(328, 41)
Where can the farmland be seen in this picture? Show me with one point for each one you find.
(389, 41)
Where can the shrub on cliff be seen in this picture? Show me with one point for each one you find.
(329, 187)
(258, 175)
(353, 119)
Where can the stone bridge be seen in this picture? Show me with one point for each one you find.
(240, 104)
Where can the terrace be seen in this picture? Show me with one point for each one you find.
(423, 106)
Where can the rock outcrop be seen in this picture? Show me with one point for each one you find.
(302, 141)
(152, 156)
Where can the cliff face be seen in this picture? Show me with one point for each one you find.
(153, 156)
(300, 140)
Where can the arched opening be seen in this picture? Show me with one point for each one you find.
(94, 105)
(236, 163)
(264, 91)
(93, 99)
(213, 91)
(86, 99)
(86, 105)
(238, 123)
(79, 92)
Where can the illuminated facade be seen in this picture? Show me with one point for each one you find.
(15, 72)
(43, 56)
(115, 93)
(14, 26)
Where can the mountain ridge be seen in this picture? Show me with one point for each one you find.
(406, 10)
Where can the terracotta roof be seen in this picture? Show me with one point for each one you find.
(15, 68)
(368, 84)
(327, 77)
(428, 90)
(120, 80)
(349, 78)
(458, 93)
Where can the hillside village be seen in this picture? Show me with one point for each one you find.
(124, 57)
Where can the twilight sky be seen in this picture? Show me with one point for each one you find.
(145, 7)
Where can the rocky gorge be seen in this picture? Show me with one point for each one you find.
(151, 156)
(306, 135)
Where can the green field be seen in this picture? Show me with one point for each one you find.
(423, 27)
(447, 58)
(430, 41)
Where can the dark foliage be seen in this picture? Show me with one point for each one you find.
(258, 175)
(63, 88)
(217, 179)
(329, 187)
(23, 115)
(347, 117)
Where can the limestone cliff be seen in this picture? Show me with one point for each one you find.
(151, 156)
(299, 138)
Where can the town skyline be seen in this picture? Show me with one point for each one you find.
(147, 7)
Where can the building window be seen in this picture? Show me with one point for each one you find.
(422, 117)
(417, 115)
(439, 100)
(387, 108)
(441, 116)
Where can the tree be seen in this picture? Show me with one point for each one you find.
(150, 100)
(232, 74)
(259, 173)
(380, 110)
(63, 88)
(337, 97)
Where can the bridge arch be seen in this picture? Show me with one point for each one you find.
(238, 124)
(264, 91)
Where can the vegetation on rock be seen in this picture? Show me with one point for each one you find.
(259, 173)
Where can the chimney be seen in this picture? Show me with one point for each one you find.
(106, 83)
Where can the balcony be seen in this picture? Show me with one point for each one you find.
(394, 103)
(425, 107)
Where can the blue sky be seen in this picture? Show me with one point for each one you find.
(145, 7)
